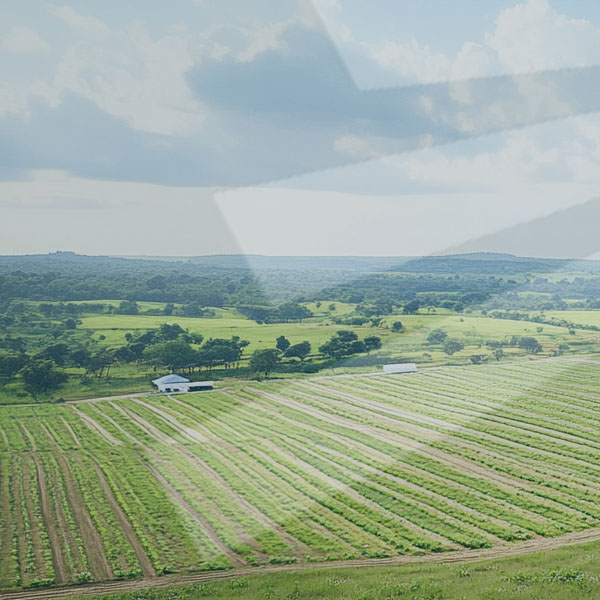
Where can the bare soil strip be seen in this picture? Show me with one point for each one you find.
(462, 556)
(199, 519)
(70, 430)
(145, 564)
(92, 541)
(57, 558)
(97, 428)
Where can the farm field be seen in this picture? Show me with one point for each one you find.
(285, 472)
(472, 328)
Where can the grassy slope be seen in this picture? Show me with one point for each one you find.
(564, 574)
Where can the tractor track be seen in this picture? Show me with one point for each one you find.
(461, 556)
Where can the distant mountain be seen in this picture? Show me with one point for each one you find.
(492, 263)
(572, 232)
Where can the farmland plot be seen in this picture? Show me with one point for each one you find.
(317, 469)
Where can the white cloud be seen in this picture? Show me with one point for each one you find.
(133, 77)
(528, 36)
(355, 147)
(11, 102)
(21, 40)
(532, 36)
(263, 39)
(412, 60)
(81, 23)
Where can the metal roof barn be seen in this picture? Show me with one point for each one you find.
(176, 383)
(400, 368)
(173, 378)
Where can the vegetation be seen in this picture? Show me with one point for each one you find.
(299, 470)
(555, 575)
(75, 326)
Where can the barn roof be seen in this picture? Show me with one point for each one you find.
(400, 368)
(173, 378)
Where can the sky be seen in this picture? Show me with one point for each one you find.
(333, 127)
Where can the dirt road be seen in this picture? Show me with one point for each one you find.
(462, 556)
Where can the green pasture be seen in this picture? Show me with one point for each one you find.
(579, 317)
(472, 330)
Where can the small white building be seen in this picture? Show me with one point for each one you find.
(400, 368)
(177, 383)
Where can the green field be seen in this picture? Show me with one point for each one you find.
(299, 471)
(579, 317)
(563, 574)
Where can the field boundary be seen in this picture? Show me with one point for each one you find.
(459, 556)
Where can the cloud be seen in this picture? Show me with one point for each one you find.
(81, 23)
(248, 101)
(532, 36)
(21, 40)
(526, 37)
(131, 76)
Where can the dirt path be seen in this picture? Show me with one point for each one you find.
(70, 430)
(145, 564)
(96, 427)
(462, 556)
(57, 557)
(191, 434)
(146, 427)
(199, 519)
(92, 541)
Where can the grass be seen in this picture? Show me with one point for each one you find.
(473, 330)
(565, 574)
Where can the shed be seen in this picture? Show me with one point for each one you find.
(400, 368)
(170, 383)
(178, 383)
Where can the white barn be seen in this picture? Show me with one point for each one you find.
(400, 368)
(178, 383)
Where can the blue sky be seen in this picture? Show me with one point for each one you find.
(219, 100)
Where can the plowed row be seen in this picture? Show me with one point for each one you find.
(338, 468)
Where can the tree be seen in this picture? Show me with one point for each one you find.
(158, 282)
(264, 361)
(498, 353)
(343, 343)
(331, 307)
(397, 326)
(124, 354)
(477, 359)
(70, 324)
(292, 311)
(346, 336)
(128, 307)
(411, 308)
(301, 351)
(11, 364)
(530, 344)
(167, 331)
(452, 347)
(376, 321)
(100, 361)
(372, 343)
(41, 376)
(175, 354)
(56, 352)
(220, 351)
(437, 336)
(283, 344)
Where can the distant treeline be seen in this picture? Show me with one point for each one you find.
(456, 282)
